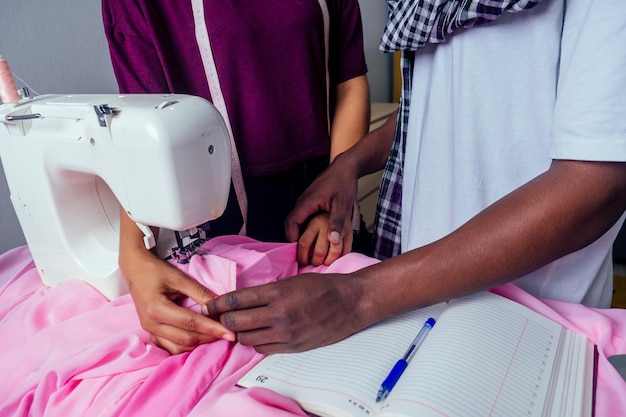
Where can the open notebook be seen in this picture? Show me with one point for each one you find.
(486, 356)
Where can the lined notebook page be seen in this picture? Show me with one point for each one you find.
(336, 377)
(485, 357)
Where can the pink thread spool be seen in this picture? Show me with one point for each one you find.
(8, 91)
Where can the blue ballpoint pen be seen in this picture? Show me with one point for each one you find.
(400, 366)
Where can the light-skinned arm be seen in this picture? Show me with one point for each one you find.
(352, 115)
(155, 285)
(350, 123)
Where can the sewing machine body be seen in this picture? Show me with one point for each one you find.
(71, 160)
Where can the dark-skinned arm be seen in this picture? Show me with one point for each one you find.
(561, 211)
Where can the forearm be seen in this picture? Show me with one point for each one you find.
(351, 116)
(370, 154)
(132, 247)
(559, 212)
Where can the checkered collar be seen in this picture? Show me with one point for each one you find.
(413, 23)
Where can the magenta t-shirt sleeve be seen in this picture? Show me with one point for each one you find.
(134, 57)
(347, 59)
(153, 47)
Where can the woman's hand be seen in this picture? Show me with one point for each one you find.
(155, 287)
(314, 247)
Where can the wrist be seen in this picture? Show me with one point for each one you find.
(360, 292)
(132, 259)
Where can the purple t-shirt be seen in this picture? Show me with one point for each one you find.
(269, 56)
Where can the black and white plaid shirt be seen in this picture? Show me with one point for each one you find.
(410, 25)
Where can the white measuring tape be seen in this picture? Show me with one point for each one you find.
(202, 38)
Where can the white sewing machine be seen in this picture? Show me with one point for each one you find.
(71, 160)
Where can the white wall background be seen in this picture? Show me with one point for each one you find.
(59, 47)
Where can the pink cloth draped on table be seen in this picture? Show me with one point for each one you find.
(68, 351)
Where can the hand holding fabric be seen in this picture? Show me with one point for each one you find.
(155, 287)
(292, 315)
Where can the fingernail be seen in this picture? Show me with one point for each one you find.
(229, 336)
(205, 310)
(334, 237)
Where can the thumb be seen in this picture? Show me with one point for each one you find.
(339, 212)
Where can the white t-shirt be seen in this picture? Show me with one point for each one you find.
(493, 105)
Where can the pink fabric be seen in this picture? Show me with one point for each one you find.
(67, 351)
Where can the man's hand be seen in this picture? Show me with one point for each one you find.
(292, 315)
(333, 192)
(155, 286)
